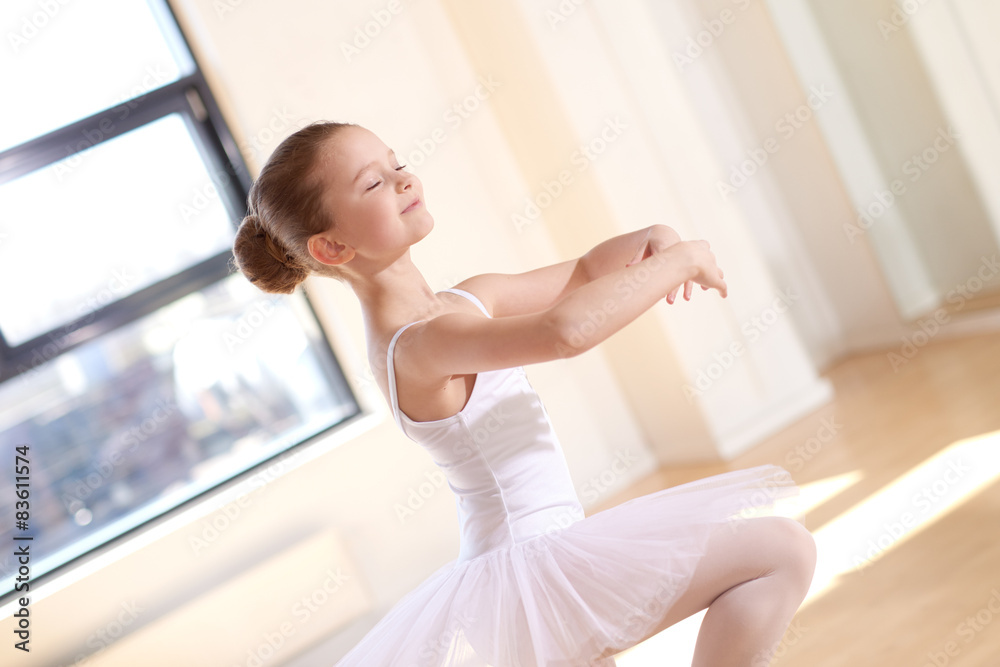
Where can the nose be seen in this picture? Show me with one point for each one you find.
(405, 181)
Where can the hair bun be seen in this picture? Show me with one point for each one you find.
(263, 260)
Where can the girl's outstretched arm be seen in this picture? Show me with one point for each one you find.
(594, 312)
(508, 294)
(462, 343)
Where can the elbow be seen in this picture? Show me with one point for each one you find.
(566, 337)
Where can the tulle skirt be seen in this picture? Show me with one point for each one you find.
(565, 597)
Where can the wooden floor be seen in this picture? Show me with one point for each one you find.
(934, 598)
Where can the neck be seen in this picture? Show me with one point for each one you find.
(395, 293)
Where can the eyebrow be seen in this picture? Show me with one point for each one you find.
(370, 164)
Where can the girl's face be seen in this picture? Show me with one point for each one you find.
(377, 207)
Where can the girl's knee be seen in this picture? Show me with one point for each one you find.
(781, 544)
(798, 547)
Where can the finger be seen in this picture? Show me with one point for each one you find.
(687, 290)
(672, 296)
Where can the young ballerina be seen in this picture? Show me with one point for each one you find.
(536, 583)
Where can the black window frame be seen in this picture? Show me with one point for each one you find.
(192, 98)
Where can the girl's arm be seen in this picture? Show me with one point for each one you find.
(622, 250)
(608, 256)
(462, 343)
(594, 312)
(510, 294)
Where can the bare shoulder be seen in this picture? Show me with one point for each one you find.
(483, 287)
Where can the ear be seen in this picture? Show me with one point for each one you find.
(326, 250)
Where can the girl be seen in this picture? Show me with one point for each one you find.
(535, 582)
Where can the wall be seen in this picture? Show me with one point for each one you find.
(957, 45)
(915, 142)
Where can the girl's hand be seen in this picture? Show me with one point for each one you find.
(700, 258)
(658, 239)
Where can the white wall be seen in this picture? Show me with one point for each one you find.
(927, 232)
(957, 44)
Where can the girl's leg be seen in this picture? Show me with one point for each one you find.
(752, 578)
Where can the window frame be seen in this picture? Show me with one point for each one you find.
(192, 98)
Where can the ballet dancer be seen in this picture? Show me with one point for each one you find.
(536, 582)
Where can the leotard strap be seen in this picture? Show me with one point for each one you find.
(470, 297)
(394, 406)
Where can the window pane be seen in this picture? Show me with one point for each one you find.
(72, 60)
(135, 422)
(113, 219)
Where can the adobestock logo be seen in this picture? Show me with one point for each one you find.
(915, 167)
(128, 101)
(116, 288)
(901, 14)
(364, 34)
(703, 39)
(596, 486)
(753, 330)
(562, 12)
(457, 114)
(967, 630)
(806, 451)
(32, 25)
(786, 127)
(581, 158)
(278, 123)
(254, 318)
(932, 495)
(112, 631)
(930, 326)
(767, 657)
(417, 497)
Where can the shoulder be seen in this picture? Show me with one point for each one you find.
(483, 287)
(401, 353)
(409, 344)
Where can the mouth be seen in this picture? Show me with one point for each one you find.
(416, 203)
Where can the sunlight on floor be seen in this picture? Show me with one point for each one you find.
(814, 494)
(863, 534)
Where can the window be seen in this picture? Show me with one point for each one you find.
(137, 369)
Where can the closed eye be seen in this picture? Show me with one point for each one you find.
(377, 183)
